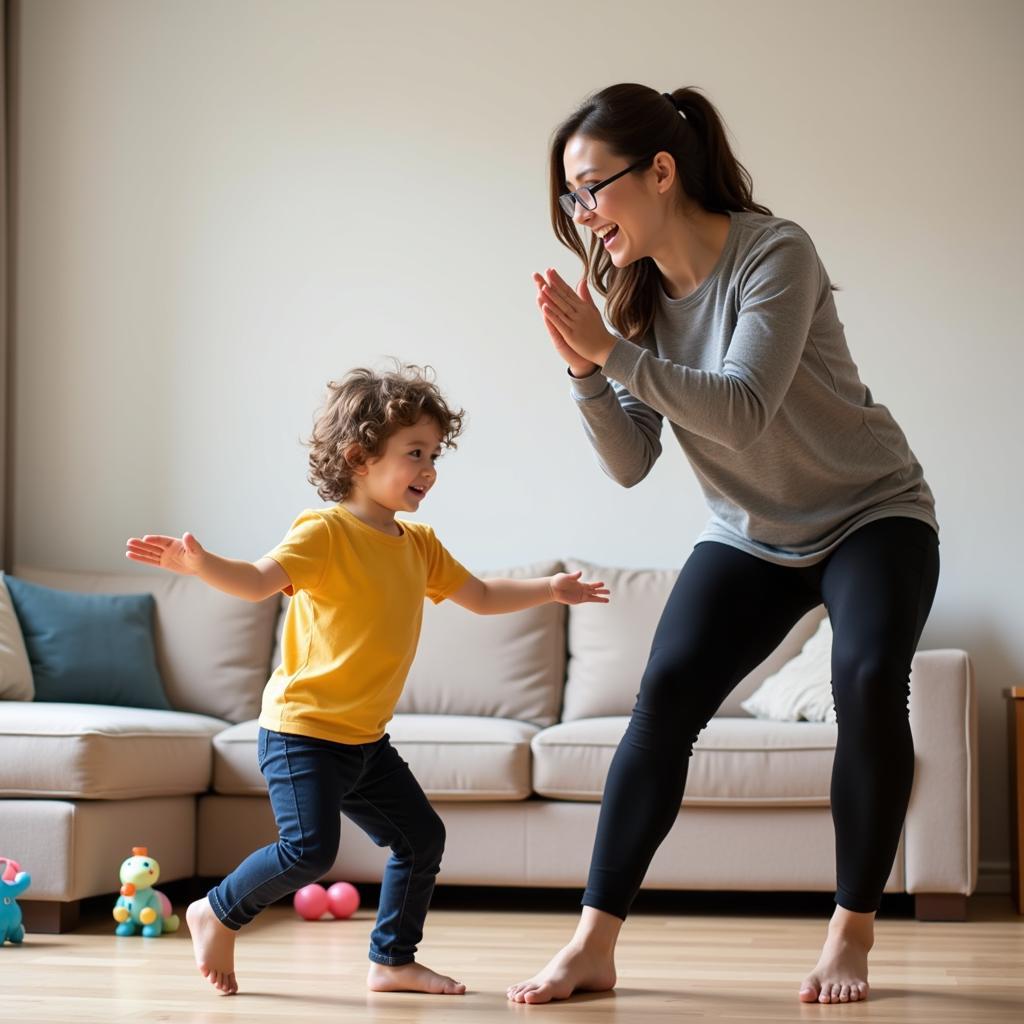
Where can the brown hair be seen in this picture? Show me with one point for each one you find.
(362, 411)
(636, 122)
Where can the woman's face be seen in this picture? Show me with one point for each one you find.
(628, 210)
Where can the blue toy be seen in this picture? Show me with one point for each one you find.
(13, 882)
(140, 907)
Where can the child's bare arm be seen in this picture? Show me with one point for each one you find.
(496, 596)
(251, 581)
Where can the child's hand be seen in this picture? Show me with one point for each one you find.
(566, 588)
(183, 556)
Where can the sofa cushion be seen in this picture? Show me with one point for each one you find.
(500, 666)
(98, 752)
(609, 644)
(15, 670)
(213, 650)
(735, 761)
(463, 757)
(454, 757)
(89, 648)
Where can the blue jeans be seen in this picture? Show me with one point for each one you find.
(310, 782)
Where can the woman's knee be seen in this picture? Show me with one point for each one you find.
(668, 679)
(674, 699)
(875, 682)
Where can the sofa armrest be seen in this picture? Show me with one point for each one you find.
(941, 838)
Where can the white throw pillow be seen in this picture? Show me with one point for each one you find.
(15, 670)
(802, 688)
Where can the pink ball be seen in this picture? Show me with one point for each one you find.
(343, 899)
(311, 902)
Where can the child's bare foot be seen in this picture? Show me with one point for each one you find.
(841, 974)
(412, 977)
(214, 946)
(575, 968)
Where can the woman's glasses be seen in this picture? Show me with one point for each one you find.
(586, 196)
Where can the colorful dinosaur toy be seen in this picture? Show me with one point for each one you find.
(13, 882)
(140, 906)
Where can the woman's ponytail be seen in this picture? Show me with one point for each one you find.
(712, 176)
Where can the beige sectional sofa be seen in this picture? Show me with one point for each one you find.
(509, 722)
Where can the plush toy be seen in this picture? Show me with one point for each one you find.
(140, 906)
(13, 882)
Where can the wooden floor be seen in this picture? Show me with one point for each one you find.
(676, 967)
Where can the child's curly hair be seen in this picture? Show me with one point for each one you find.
(362, 411)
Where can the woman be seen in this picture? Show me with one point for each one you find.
(723, 323)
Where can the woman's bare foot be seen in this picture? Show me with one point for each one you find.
(214, 946)
(587, 964)
(412, 977)
(841, 974)
(572, 969)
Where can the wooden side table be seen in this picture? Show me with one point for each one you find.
(1016, 722)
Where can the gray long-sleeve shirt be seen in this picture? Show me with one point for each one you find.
(753, 372)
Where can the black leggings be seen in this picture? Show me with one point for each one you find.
(727, 612)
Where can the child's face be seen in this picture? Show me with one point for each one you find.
(400, 478)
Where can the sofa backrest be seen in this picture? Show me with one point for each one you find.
(609, 644)
(213, 650)
(508, 666)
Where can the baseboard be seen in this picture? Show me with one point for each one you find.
(993, 876)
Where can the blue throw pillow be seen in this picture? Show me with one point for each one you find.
(89, 648)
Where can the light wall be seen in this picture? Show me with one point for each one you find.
(220, 205)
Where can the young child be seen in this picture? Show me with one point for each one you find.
(358, 577)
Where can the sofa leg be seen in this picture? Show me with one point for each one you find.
(940, 906)
(49, 917)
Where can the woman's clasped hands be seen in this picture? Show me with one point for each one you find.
(574, 323)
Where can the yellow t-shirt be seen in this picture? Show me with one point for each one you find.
(352, 624)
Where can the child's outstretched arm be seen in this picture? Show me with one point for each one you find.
(496, 596)
(251, 581)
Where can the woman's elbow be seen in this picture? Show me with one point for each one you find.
(741, 440)
(627, 478)
(748, 420)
